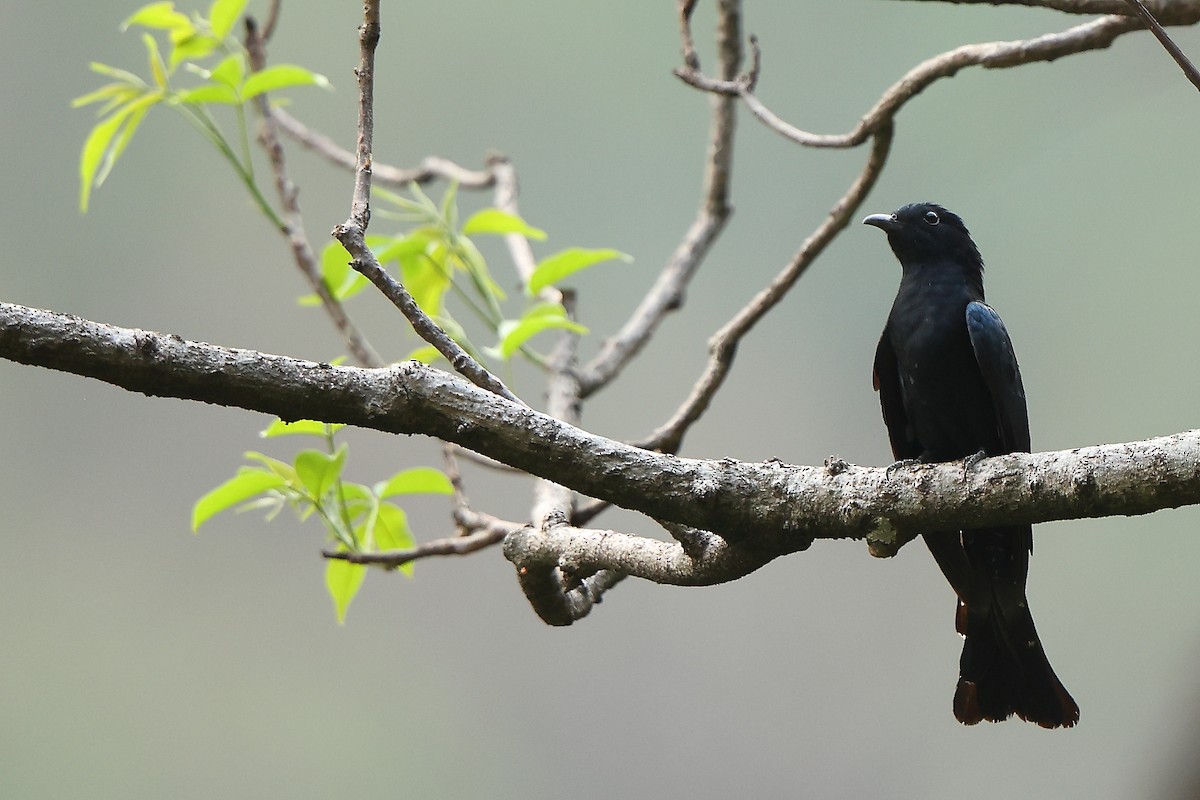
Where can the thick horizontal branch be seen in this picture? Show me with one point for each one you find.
(771, 506)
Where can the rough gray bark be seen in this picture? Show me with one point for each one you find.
(760, 510)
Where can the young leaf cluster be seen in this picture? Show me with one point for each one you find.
(190, 42)
(437, 258)
(358, 518)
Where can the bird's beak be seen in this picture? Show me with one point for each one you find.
(885, 222)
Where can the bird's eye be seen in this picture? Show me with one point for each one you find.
(932, 218)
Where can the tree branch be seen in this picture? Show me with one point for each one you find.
(429, 169)
(667, 294)
(723, 346)
(1094, 35)
(293, 230)
(1185, 64)
(763, 510)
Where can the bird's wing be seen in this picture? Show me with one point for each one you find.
(998, 364)
(886, 378)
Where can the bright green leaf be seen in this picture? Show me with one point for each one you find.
(281, 76)
(280, 468)
(425, 281)
(554, 268)
(190, 46)
(343, 580)
(318, 470)
(342, 280)
(109, 91)
(358, 499)
(223, 15)
(158, 16)
(230, 71)
(106, 142)
(397, 247)
(304, 427)
(209, 94)
(546, 316)
(418, 480)
(477, 269)
(391, 532)
(493, 220)
(249, 481)
(122, 75)
(157, 68)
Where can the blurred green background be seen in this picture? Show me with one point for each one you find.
(139, 661)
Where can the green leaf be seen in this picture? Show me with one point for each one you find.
(343, 580)
(554, 268)
(158, 16)
(318, 471)
(223, 15)
(477, 269)
(249, 482)
(190, 46)
(545, 316)
(280, 468)
(493, 220)
(359, 499)
(342, 280)
(391, 531)
(230, 71)
(122, 75)
(107, 141)
(425, 281)
(108, 92)
(209, 94)
(398, 247)
(281, 76)
(302, 427)
(418, 480)
(157, 68)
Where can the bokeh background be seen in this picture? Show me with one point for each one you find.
(141, 661)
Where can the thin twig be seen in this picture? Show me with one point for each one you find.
(505, 198)
(487, 535)
(429, 169)
(1185, 64)
(293, 229)
(352, 232)
(1093, 35)
(669, 289)
(364, 261)
(273, 11)
(723, 346)
(368, 39)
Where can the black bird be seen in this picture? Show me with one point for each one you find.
(950, 389)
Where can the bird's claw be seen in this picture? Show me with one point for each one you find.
(972, 461)
(901, 464)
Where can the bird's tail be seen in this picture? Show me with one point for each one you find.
(1003, 669)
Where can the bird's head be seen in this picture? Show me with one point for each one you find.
(926, 232)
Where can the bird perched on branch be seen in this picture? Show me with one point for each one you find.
(950, 389)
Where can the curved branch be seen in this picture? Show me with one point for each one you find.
(771, 507)
(668, 291)
(723, 345)
(1094, 35)
(429, 169)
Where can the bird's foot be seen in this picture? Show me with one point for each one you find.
(901, 464)
(972, 461)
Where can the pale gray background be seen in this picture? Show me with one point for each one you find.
(142, 662)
